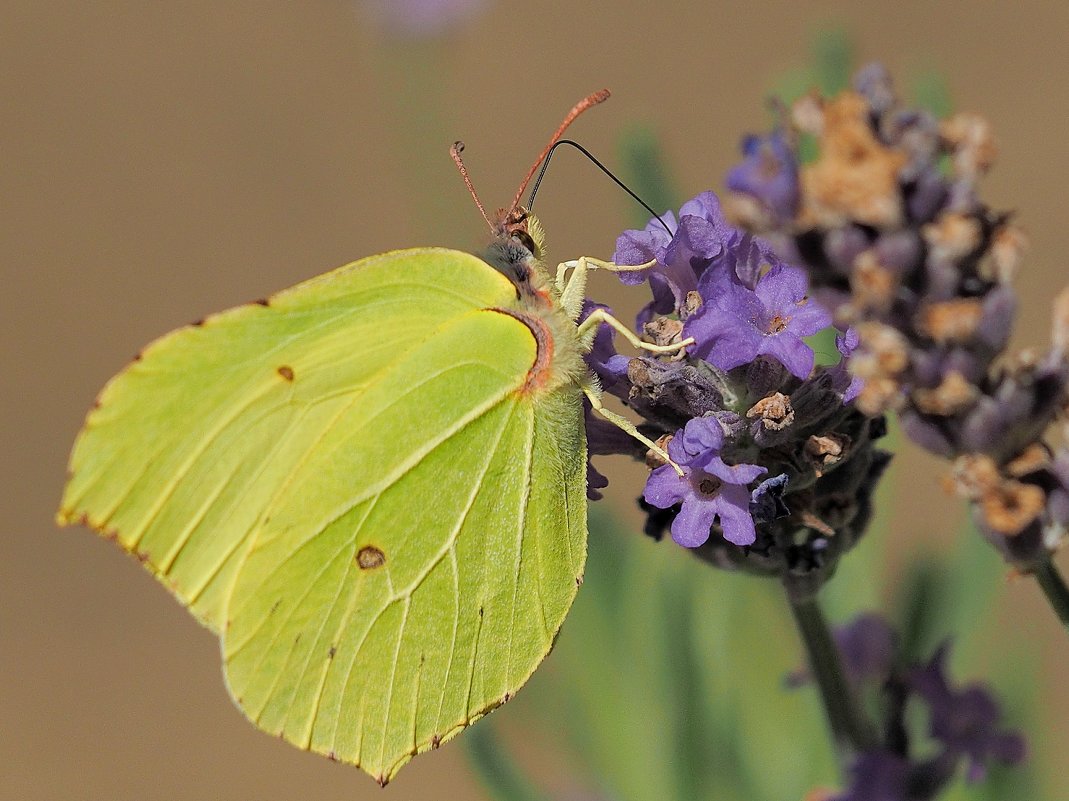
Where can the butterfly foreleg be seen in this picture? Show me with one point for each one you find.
(572, 289)
(593, 393)
(588, 329)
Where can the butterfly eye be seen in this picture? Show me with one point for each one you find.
(524, 238)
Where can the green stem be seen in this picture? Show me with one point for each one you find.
(852, 731)
(503, 779)
(1053, 586)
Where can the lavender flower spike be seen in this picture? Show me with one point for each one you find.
(736, 324)
(710, 488)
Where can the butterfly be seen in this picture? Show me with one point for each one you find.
(371, 486)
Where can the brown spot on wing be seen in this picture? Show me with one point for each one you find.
(369, 557)
(286, 372)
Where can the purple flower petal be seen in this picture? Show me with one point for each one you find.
(683, 252)
(964, 720)
(733, 508)
(736, 324)
(609, 366)
(732, 473)
(791, 352)
(702, 434)
(665, 488)
(694, 522)
(782, 287)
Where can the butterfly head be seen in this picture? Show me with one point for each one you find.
(517, 249)
(517, 244)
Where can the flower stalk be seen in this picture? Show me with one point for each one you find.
(1052, 583)
(852, 731)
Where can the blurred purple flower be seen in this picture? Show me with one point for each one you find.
(869, 648)
(769, 174)
(879, 776)
(710, 488)
(421, 19)
(736, 324)
(964, 720)
(845, 382)
(868, 645)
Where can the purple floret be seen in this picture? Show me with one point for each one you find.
(769, 174)
(608, 365)
(966, 720)
(847, 384)
(879, 776)
(736, 324)
(710, 489)
(696, 240)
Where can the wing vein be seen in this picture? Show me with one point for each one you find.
(522, 521)
(393, 679)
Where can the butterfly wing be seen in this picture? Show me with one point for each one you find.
(350, 485)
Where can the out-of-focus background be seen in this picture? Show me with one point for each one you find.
(160, 161)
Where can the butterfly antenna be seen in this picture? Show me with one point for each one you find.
(455, 151)
(587, 102)
(600, 166)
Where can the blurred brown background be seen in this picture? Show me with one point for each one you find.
(159, 161)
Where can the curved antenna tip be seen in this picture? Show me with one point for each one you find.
(454, 152)
(587, 102)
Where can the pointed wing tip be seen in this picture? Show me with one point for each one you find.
(67, 516)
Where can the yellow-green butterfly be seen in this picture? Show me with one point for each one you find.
(371, 486)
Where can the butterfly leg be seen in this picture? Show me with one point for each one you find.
(593, 394)
(573, 288)
(588, 328)
(590, 263)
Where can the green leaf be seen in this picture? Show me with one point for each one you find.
(823, 345)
